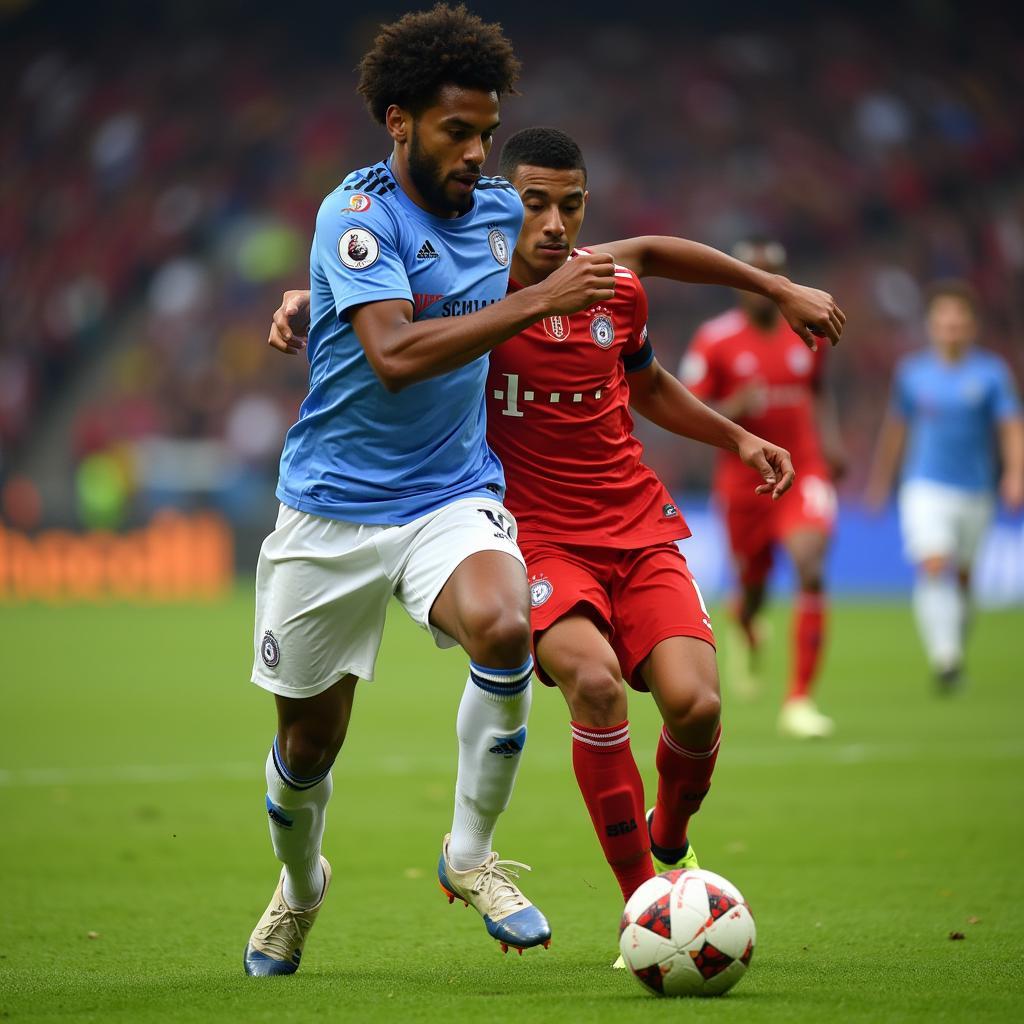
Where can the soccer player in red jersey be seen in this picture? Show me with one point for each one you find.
(751, 366)
(612, 597)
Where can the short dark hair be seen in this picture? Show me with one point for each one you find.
(412, 58)
(952, 288)
(541, 147)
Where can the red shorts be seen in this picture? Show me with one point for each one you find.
(638, 597)
(756, 524)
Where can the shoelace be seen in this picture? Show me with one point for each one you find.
(284, 932)
(496, 879)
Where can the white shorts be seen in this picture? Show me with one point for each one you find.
(323, 587)
(939, 521)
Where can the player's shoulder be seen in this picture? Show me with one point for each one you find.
(990, 362)
(721, 328)
(367, 196)
(920, 361)
(498, 193)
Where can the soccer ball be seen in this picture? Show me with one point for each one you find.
(687, 933)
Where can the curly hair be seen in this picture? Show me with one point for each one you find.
(413, 57)
(541, 147)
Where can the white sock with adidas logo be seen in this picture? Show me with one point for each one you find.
(297, 811)
(492, 733)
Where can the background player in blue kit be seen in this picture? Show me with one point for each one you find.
(397, 495)
(955, 422)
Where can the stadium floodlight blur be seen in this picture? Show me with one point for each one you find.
(160, 179)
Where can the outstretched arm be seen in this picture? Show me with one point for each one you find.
(810, 312)
(659, 397)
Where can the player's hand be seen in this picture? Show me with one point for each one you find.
(771, 461)
(290, 325)
(579, 283)
(812, 313)
(1011, 490)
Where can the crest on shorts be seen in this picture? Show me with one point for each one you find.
(602, 330)
(270, 650)
(540, 590)
(358, 249)
(499, 246)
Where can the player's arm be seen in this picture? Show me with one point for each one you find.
(1011, 450)
(403, 351)
(809, 311)
(888, 456)
(659, 397)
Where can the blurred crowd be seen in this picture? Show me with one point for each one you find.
(157, 199)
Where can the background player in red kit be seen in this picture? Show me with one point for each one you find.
(612, 597)
(751, 366)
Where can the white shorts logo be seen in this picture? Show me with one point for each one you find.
(358, 249)
(499, 246)
(540, 591)
(602, 330)
(270, 650)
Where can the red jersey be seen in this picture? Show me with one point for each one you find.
(558, 418)
(729, 352)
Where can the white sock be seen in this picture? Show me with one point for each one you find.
(941, 611)
(492, 733)
(297, 809)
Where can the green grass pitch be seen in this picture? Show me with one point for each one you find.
(134, 856)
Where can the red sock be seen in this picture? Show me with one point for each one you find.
(614, 794)
(684, 777)
(808, 640)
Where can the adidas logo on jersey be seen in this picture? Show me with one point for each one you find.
(428, 252)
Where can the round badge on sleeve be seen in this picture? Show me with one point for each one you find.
(358, 249)
(270, 650)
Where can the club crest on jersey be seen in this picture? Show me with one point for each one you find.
(602, 330)
(540, 590)
(799, 359)
(358, 249)
(270, 650)
(499, 246)
(556, 327)
(359, 202)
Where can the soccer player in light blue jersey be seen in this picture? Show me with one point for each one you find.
(955, 423)
(387, 485)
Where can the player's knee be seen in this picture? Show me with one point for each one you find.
(695, 716)
(597, 695)
(498, 637)
(310, 748)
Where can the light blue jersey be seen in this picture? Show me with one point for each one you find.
(357, 452)
(952, 411)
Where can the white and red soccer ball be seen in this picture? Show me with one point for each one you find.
(687, 933)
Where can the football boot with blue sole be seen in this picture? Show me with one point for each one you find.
(510, 918)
